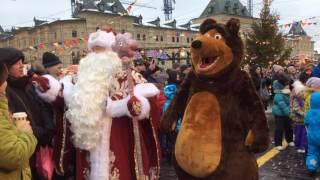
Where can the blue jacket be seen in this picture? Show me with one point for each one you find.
(169, 91)
(281, 100)
(316, 71)
(312, 119)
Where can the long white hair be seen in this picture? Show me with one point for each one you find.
(96, 77)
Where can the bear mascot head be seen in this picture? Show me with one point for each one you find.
(217, 49)
(223, 119)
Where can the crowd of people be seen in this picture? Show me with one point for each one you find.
(47, 144)
(292, 93)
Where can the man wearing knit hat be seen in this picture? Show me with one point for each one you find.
(52, 64)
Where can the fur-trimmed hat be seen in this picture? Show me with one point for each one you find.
(49, 60)
(101, 39)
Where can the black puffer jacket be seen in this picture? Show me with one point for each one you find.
(23, 98)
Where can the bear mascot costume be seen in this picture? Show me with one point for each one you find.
(224, 122)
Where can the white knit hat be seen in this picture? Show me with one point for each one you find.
(101, 39)
(277, 68)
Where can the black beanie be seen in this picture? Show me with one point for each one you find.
(49, 59)
(10, 56)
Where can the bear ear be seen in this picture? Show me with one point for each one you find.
(233, 26)
(207, 25)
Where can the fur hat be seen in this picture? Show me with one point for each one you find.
(49, 60)
(9, 56)
(101, 39)
(125, 45)
(313, 82)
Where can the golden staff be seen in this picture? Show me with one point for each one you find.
(137, 144)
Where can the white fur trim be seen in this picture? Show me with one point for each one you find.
(298, 86)
(100, 155)
(118, 108)
(68, 88)
(101, 39)
(96, 78)
(146, 90)
(285, 91)
(145, 108)
(51, 94)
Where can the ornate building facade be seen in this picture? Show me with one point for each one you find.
(223, 10)
(67, 37)
(301, 44)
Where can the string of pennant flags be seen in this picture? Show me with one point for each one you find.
(69, 43)
(305, 22)
(297, 24)
(60, 44)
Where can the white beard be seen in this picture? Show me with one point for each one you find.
(87, 106)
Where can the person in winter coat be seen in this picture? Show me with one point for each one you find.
(297, 114)
(260, 82)
(17, 143)
(312, 122)
(281, 112)
(316, 71)
(313, 84)
(23, 98)
(168, 139)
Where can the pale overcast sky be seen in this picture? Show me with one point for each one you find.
(21, 12)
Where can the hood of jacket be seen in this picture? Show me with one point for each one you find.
(170, 91)
(277, 87)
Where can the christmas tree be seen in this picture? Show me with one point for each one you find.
(265, 44)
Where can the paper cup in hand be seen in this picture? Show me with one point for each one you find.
(19, 116)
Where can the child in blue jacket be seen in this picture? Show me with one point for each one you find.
(312, 122)
(281, 112)
(168, 139)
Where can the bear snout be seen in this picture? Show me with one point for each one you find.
(196, 44)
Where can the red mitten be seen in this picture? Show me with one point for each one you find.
(134, 106)
(41, 83)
